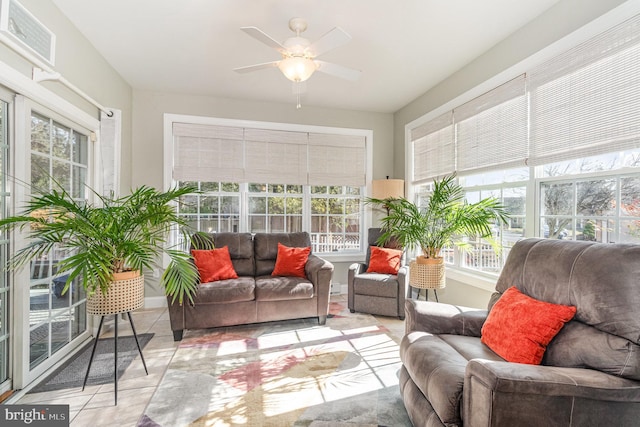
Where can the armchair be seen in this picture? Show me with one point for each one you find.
(590, 371)
(376, 293)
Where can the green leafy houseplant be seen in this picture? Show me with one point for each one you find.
(444, 220)
(112, 236)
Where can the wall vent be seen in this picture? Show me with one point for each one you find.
(24, 33)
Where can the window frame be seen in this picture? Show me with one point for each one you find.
(365, 214)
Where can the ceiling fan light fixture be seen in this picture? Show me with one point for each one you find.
(297, 68)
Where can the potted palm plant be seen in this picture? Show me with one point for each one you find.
(106, 239)
(444, 220)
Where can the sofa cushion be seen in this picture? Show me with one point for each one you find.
(214, 264)
(277, 288)
(384, 260)
(240, 249)
(291, 261)
(226, 291)
(519, 327)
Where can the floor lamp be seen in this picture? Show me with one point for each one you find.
(383, 189)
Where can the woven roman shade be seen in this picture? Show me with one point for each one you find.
(337, 160)
(275, 156)
(433, 149)
(242, 154)
(208, 153)
(491, 130)
(586, 101)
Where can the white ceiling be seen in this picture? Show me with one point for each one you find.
(402, 47)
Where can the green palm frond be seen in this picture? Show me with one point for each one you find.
(443, 221)
(116, 233)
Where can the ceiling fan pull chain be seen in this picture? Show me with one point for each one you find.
(296, 88)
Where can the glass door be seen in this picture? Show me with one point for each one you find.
(5, 282)
(51, 152)
(59, 160)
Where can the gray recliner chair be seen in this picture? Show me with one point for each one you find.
(590, 372)
(375, 293)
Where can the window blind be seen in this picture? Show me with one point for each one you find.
(587, 101)
(238, 154)
(273, 156)
(208, 153)
(337, 160)
(491, 130)
(433, 149)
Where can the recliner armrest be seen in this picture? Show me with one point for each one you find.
(440, 318)
(503, 393)
(357, 268)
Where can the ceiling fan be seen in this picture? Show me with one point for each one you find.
(299, 55)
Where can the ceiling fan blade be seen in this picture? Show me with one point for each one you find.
(263, 37)
(338, 70)
(256, 67)
(330, 40)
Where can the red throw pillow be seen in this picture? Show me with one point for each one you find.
(214, 264)
(519, 327)
(291, 261)
(384, 260)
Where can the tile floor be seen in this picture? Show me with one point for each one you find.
(95, 405)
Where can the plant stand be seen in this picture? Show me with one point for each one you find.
(124, 295)
(427, 276)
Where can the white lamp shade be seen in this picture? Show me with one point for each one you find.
(387, 188)
(296, 68)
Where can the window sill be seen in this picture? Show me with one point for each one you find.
(471, 279)
(344, 257)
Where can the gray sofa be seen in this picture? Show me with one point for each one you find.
(590, 372)
(256, 296)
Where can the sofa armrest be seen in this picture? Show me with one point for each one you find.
(503, 393)
(440, 318)
(320, 272)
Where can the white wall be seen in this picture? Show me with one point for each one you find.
(147, 153)
(564, 18)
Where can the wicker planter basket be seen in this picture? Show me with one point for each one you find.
(427, 276)
(124, 294)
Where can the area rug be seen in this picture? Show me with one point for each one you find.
(71, 373)
(294, 373)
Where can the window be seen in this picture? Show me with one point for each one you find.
(333, 213)
(510, 187)
(216, 209)
(266, 177)
(275, 208)
(580, 204)
(558, 145)
(335, 218)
